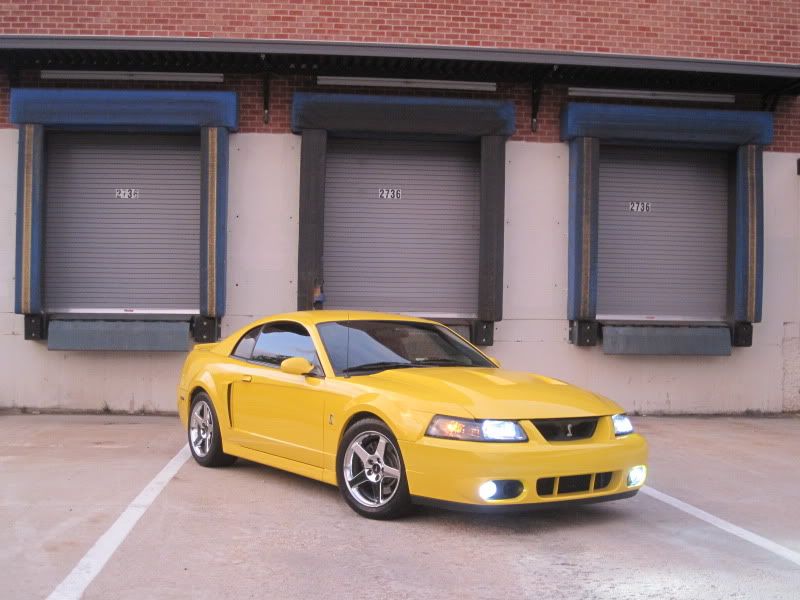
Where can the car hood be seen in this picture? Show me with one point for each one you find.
(488, 393)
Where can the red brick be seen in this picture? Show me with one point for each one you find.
(750, 30)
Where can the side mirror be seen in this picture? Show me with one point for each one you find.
(297, 365)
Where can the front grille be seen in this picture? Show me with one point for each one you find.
(573, 484)
(601, 480)
(566, 430)
(545, 486)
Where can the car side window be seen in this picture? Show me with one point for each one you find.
(279, 341)
(244, 349)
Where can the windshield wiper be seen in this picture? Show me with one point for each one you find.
(377, 366)
(441, 362)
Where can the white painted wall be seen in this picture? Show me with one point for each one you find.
(262, 227)
(533, 333)
(783, 214)
(262, 267)
(262, 263)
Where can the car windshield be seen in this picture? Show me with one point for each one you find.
(367, 346)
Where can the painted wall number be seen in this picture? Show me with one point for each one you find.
(390, 193)
(639, 207)
(126, 193)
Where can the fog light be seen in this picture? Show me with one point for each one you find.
(637, 475)
(487, 490)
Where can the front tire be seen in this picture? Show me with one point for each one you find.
(205, 440)
(371, 473)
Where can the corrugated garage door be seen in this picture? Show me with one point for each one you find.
(402, 226)
(122, 222)
(663, 234)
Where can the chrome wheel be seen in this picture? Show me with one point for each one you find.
(372, 469)
(201, 428)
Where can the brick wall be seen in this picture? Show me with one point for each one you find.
(752, 30)
(760, 30)
(787, 126)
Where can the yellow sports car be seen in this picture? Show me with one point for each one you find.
(397, 410)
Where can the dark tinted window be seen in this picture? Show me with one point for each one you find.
(244, 349)
(388, 344)
(279, 341)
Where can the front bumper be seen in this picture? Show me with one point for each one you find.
(451, 471)
(504, 508)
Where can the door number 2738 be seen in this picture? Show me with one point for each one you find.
(639, 207)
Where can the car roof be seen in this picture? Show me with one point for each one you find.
(310, 318)
(314, 317)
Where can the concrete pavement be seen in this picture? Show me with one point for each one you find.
(254, 532)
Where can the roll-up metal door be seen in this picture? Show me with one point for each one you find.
(402, 226)
(663, 234)
(122, 223)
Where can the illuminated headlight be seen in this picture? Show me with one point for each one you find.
(455, 428)
(637, 475)
(487, 490)
(622, 425)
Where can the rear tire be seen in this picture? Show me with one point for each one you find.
(371, 472)
(205, 440)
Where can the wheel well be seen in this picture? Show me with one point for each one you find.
(359, 416)
(194, 393)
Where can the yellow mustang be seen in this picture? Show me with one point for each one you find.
(398, 410)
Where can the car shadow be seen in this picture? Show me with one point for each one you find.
(281, 477)
(535, 520)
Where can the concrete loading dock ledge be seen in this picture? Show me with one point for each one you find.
(606, 194)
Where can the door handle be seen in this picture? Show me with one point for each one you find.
(247, 378)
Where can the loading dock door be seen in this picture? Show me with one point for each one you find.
(122, 223)
(663, 234)
(402, 226)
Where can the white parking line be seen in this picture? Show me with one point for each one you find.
(739, 532)
(94, 560)
(74, 584)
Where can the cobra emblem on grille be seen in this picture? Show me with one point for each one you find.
(569, 429)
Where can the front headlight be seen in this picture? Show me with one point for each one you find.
(622, 425)
(454, 428)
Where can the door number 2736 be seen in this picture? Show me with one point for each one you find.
(390, 193)
(639, 207)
